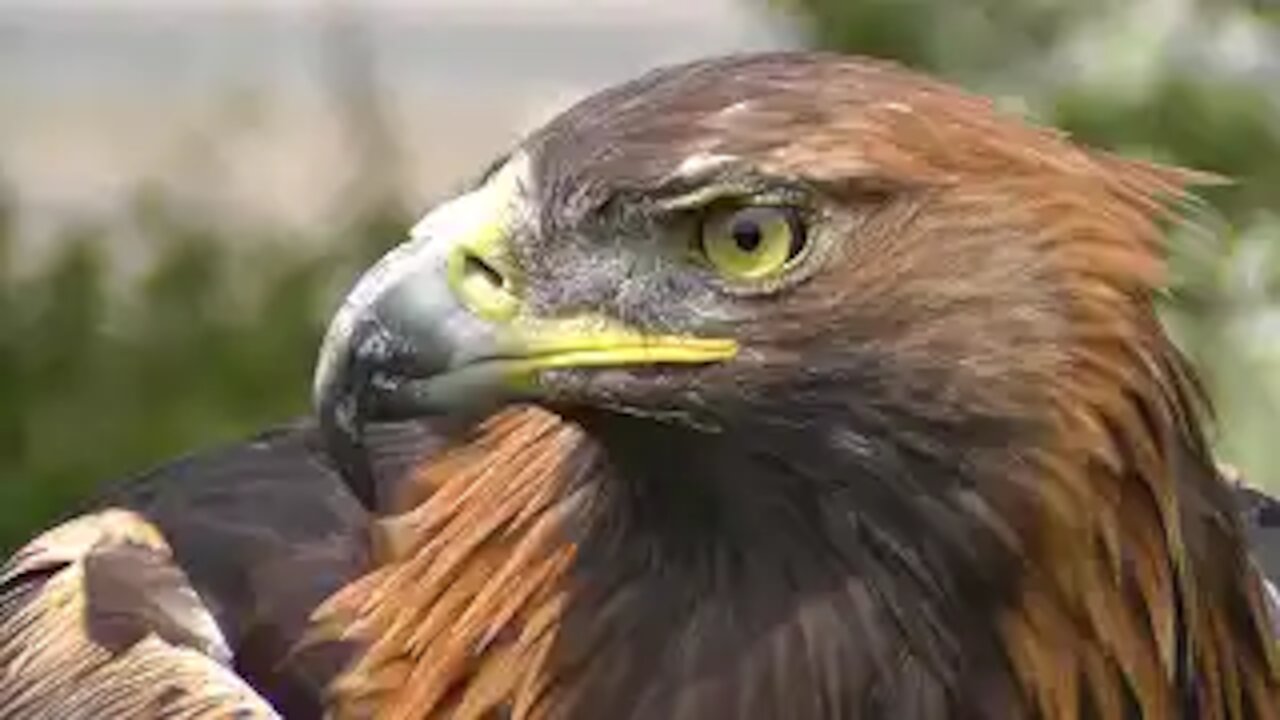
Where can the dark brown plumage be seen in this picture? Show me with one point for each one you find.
(950, 468)
(261, 532)
(960, 473)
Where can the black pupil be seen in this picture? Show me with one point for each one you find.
(747, 234)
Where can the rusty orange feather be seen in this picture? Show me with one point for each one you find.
(1131, 594)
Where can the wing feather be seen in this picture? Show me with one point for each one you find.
(96, 621)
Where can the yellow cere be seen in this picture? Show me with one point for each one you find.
(480, 271)
(750, 243)
(481, 278)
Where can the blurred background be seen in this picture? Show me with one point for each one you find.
(188, 186)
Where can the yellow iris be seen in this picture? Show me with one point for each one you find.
(751, 243)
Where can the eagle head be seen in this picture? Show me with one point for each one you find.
(872, 410)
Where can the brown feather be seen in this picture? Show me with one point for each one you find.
(141, 645)
(1082, 562)
(466, 617)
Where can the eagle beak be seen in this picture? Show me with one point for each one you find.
(438, 327)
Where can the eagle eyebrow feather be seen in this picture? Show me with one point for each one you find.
(700, 164)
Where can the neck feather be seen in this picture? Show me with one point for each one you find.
(567, 572)
(562, 569)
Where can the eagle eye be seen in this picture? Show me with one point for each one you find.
(751, 243)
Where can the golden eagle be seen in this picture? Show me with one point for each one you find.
(771, 386)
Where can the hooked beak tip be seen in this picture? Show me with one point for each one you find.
(339, 397)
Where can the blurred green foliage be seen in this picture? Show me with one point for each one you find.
(1188, 82)
(214, 341)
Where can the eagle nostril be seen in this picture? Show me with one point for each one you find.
(481, 285)
(476, 270)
